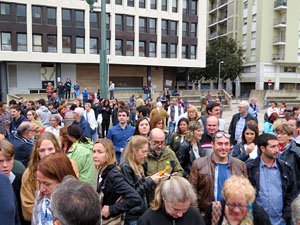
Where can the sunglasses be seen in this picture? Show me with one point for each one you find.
(219, 135)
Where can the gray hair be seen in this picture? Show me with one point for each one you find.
(75, 203)
(244, 104)
(56, 117)
(253, 99)
(295, 207)
(79, 111)
(25, 126)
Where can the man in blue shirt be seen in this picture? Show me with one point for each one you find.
(81, 121)
(120, 133)
(273, 179)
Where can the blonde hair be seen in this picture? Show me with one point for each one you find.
(135, 143)
(35, 115)
(194, 125)
(37, 126)
(238, 185)
(175, 189)
(7, 149)
(110, 152)
(193, 109)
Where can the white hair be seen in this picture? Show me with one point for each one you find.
(244, 104)
(79, 111)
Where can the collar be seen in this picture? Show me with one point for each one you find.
(212, 157)
(155, 155)
(244, 117)
(11, 177)
(262, 164)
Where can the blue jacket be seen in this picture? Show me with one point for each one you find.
(85, 126)
(14, 124)
(23, 148)
(119, 137)
(85, 94)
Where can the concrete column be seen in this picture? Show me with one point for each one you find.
(58, 74)
(193, 85)
(277, 78)
(228, 86)
(237, 88)
(3, 81)
(199, 85)
(259, 84)
(211, 84)
(187, 79)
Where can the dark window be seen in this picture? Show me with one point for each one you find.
(194, 7)
(173, 51)
(193, 29)
(173, 28)
(51, 16)
(185, 6)
(5, 9)
(37, 42)
(174, 5)
(184, 51)
(118, 2)
(36, 14)
(129, 48)
(130, 3)
(193, 52)
(52, 43)
(66, 44)
(185, 29)
(66, 17)
(129, 23)
(164, 5)
(152, 26)
(108, 46)
(79, 18)
(21, 13)
(107, 1)
(164, 50)
(142, 3)
(119, 22)
(142, 48)
(80, 45)
(6, 41)
(107, 21)
(164, 27)
(94, 20)
(22, 42)
(93, 46)
(153, 4)
(118, 47)
(152, 49)
(289, 69)
(142, 25)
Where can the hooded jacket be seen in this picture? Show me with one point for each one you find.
(44, 115)
(14, 124)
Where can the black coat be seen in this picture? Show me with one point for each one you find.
(141, 185)
(106, 111)
(289, 188)
(113, 186)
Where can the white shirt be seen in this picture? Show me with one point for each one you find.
(252, 154)
(112, 87)
(271, 110)
(176, 112)
(196, 152)
(90, 117)
(53, 130)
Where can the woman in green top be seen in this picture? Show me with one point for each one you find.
(178, 137)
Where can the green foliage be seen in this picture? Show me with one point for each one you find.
(221, 49)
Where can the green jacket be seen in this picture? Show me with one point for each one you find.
(175, 142)
(82, 154)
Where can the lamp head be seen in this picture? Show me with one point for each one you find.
(91, 4)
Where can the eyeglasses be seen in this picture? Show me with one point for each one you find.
(232, 206)
(159, 142)
(219, 135)
(281, 133)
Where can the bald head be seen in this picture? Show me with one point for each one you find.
(157, 140)
(212, 125)
(24, 129)
(156, 132)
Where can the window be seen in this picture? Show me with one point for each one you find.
(108, 46)
(107, 21)
(174, 5)
(93, 46)
(152, 49)
(184, 29)
(253, 35)
(6, 41)
(164, 27)
(142, 3)
(173, 28)
(129, 23)
(79, 18)
(184, 51)
(66, 44)
(37, 42)
(80, 45)
(51, 16)
(185, 6)
(66, 17)
(142, 48)
(52, 43)
(129, 48)
(36, 14)
(152, 26)
(153, 4)
(21, 13)
(130, 3)
(119, 22)
(4, 9)
(94, 20)
(254, 18)
(193, 52)
(22, 42)
(194, 7)
(173, 51)
(289, 69)
(246, 5)
(142, 25)
(118, 47)
(118, 2)
(193, 29)
(164, 50)
(164, 5)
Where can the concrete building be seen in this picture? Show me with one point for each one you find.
(269, 32)
(147, 40)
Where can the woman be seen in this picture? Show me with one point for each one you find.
(190, 149)
(81, 153)
(172, 204)
(178, 137)
(239, 206)
(33, 116)
(66, 144)
(157, 122)
(204, 102)
(77, 102)
(54, 125)
(142, 127)
(46, 144)
(268, 125)
(68, 86)
(132, 169)
(38, 129)
(106, 112)
(111, 184)
(50, 171)
(193, 114)
(296, 111)
(247, 149)
(89, 115)
(114, 112)
(282, 110)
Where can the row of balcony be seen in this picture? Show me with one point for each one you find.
(214, 5)
(214, 20)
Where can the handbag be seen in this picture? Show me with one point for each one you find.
(216, 212)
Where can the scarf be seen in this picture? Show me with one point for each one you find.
(46, 216)
(248, 219)
(283, 148)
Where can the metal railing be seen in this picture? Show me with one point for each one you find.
(276, 57)
(222, 2)
(279, 39)
(280, 21)
(279, 3)
(212, 35)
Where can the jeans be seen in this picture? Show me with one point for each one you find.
(132, 119)
(111, 92)
(61, 96)
(147, 96)
(130, 222)
(77, 93)
(171, 128)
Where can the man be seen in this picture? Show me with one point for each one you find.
(174, 110)
(139, 101)
(5, 118)
(111, 90)
(85, 96)
(273, 179)
(147, 91)
(213, 109)
(68, 120)
(157, 156)
(17, 119)
(81, 122)
(29, 106)
(77, 89)
(23, 142)
(89, 115)
(43, 112)
(293, 123)
(75, 203)
(209, 97)
(142, 111)
(158, 110)
(253, 109)
(239, 121)
(212, 127)
(132, 108)
(61, 90)
(209, 173)
(120, 133)
(272, 109)
(49, 90)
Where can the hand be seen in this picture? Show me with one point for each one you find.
(121, 149)
(250, 148)
(105, 211)
(156, 178)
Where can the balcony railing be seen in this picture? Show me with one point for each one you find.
(222, 17)
(222, 2)
(276, 57)
(213, 7)
(222, 32)
(278, 39)
(279, 3)
(212, 21)
(280, 21)
(212, 35)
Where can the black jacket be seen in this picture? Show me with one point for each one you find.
(186, 156)
(141, 185)
(160, 217)
(233, 123)
(114, 116)
(260, 217)
(113, 186)
(287, 179)
(106, 111)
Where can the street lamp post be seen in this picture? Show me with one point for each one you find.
(103, 56)
(219, 81)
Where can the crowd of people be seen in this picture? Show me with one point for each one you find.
(99, 161)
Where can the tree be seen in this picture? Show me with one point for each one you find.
(221, 49)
